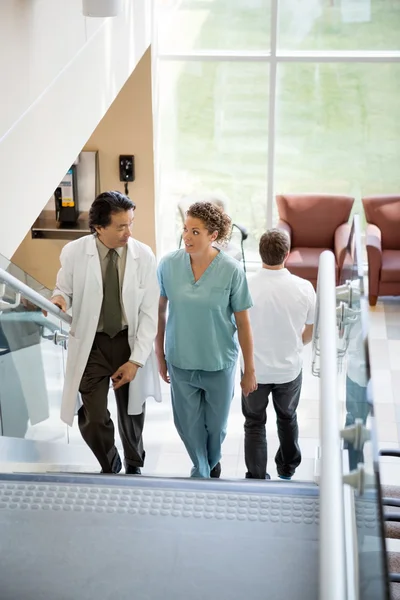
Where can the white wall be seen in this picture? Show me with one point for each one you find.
(59, 73)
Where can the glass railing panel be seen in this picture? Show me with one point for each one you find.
(31, 362)
(22, 276)
(360, 440)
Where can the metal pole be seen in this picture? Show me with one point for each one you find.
(272, 113)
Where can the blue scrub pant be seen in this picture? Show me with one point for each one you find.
(200, 402)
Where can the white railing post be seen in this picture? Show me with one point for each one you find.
(332, 573)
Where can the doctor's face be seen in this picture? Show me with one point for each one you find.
(118, 232)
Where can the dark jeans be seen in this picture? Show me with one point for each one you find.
(357, 407)
(285, 397)
(95, 424)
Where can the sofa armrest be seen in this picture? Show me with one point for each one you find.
(341, 240)
(285, 227)
(373, 241)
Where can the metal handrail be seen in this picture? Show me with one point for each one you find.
(33, 296)
(346, 314)
(332, 574)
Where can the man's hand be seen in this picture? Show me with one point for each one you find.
(124, 374)
(307, 334)
(162, 369)
(58, 301)
(28, 305)
(248, 383)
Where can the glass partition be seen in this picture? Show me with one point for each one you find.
(32, 350)
(360, 441)
(350, 493)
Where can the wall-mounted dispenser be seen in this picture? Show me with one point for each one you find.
(66, 198)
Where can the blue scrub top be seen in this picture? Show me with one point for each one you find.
(201, 327)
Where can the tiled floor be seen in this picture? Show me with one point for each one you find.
(166, 455)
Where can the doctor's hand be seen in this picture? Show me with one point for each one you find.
(162, 369)
(248, 383)
(58, 301)
(124, 374)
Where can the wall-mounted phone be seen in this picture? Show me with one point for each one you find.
(126, 169)
(66, 198)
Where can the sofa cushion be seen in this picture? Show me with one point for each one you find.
(304, 262)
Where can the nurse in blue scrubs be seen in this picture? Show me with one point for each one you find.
(197, 346)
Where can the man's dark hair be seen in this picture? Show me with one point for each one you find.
(274, 246)
(106, 204)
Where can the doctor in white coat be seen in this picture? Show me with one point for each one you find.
(109, 281)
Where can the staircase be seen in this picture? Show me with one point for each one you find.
(59, 73)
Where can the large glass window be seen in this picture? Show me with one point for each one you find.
(338, 129)
(214, 140)
(339, 24)
(215, 24)
(260, 97)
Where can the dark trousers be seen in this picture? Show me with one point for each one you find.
(285, 397)
(94, 419)
(357, 407)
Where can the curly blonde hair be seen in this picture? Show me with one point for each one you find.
(214, 219)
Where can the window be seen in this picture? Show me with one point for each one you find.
(339, 25)
(338, 129)
(216, 25)
(260, 97)
(213, 140)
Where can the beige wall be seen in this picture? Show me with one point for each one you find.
(127, 128)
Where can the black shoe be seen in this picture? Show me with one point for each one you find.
(116, 465)
(250, 476)
(130, 470)
(215, 473)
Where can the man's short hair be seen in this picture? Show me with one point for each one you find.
(274, 247)
(106, 204)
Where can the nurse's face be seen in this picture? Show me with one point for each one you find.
(196, 237)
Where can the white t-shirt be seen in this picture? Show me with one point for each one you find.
(283, 305)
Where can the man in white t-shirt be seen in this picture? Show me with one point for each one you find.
(282, 322)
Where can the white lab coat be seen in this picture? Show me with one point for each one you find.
(79, 281)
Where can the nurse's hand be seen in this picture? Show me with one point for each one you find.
(248, 383)
(124, 374)
(162, 369)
